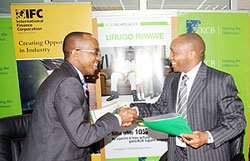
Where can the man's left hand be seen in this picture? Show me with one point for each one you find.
(195, 140)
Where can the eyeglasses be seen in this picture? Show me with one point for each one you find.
(96, 52)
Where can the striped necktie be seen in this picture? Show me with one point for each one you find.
(182, 101)
(85, 87)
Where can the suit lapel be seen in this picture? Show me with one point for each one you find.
(74, 73)
(71, 69)
(174, 89)
(198, 85)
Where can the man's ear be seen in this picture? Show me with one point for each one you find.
(74, 55)
(192, 54)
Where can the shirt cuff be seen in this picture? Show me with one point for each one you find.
(119, 119)
(210, 138)
(137, 111)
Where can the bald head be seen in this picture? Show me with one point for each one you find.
(186, 52)
(74, 40)
(194, 42)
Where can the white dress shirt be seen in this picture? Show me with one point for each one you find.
(191, 75)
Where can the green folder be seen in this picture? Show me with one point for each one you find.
(171, 123)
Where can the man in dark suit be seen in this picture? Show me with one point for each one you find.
(60, 127)
(209, 104)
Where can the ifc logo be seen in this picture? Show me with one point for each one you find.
(28, 13)
(20, 14)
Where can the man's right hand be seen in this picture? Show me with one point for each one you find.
(128, 116)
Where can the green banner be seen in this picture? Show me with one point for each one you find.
(10, 103)
(226, 36)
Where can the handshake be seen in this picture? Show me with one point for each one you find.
(128, 116)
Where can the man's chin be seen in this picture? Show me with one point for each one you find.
(94, 71)
(175, 70)
(91, 72)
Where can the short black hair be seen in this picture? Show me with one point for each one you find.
(129, 51)
(69, 40)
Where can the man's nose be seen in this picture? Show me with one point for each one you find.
(99, 58)
(170, 56)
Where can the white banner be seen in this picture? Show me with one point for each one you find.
(134, 31)
(148, 39)
(134, 142)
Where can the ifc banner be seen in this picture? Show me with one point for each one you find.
(39, 29)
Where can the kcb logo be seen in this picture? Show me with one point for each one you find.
(208, 30)
(192, 25)
(29, 13)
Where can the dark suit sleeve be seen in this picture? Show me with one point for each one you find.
(157, 108)
(73, 113)
(231, 111)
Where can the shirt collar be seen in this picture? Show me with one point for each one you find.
(79, 74)
(193, 72)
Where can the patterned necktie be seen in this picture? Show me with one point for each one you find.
(182, 101)
(85, 87)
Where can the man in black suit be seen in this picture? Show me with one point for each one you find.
(209, 104)
(60, 127)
